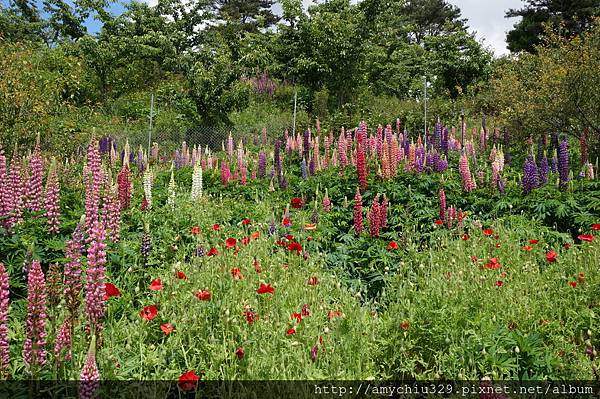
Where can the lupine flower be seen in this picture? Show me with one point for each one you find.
(326, 202)
(530, 175)
(358, 225)
(147, 183)
(90, 376)
(4, 188)
(94, 179)
(361, 167)
(543, 170)
(197, 182)
(72, 272)
(125, 187)
(465, 174)
(563, 163)
(262, 164)
(4, 304)
(34, 185)
(34, 352)
(146, 246)
(303, 169)
(373, 216)
(95, 289)
(171, 189)
(63, 341)
(52, 199)
(442, 201)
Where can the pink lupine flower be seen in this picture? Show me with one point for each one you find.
(4, 303)
(358, 225)
(442, 200)
(63, 341)
(95, 290)
(125, 187)
(342, 154)
(361, 167)
(94, 179)
(52, 199)
(34, 351)
(90, 376)
(4, 186)
(465, 174)
(326, 202)
(373, 216)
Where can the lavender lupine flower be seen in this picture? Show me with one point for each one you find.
(90, 376)
(543, 170)
(63, 341)
(262, 164)
(563, 163)
(442, 201)
(4, 304)
(95, 289)
(530, 175)
(52, 199)
(34, 185)
(303, 169)
(358, 225)
(272, 227)
(34, 351)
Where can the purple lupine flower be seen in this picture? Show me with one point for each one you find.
(4, 303)
(34, 185)
(543, 170)
(52, 199)
(34, 351)
(563, 164)
(437, 136)
(272, 227)
(90, 376)
(430, 160)
(444, 143)
(441, 165)
(95, 289)
(314, 217)
(262, 164)
(530, 175)
(283, 184)
(501, 184)
(63, 341)
(303, 169)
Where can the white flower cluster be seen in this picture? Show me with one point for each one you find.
(197, 182)
(171, 190)
(147, 181)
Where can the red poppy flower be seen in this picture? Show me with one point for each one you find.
(503, 274)
(230, 242)
(255, 235)
(195, 230)
(251, 317)
(297, 316)
(573, 284)
(149, 312)
(181, 275)
(332, 314)
(265, 289)
(203, 295)
(551, 256)
(212, 252)
(465, 237)
(286, 222)
(499, 283)
(110, 290)
(246, 221)
(405, 325)
(236, 273)
(392, 245)
(493, 264)
(488, 232)
(527, 248)
(291, 331)
(167, 328)
(156, 285)
(533, 242)
(294, 246)
(216, 227)
(289, 237)
(239, 352)
(245, 240)
(596, 226)
(188, 381)
(313, 280)
(439, 222)
(297, 203)
(586, 237)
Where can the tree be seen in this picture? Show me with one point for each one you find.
(574, 17)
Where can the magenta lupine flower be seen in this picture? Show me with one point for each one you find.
(72, 271)
(90, 376)
(4, 303)
(95, 290)
(125, 187)
(52, 199)
(383, 210)
(442, 200)
(358, 225)
(34, 351)
(34, 185)
(63, 342)
(374, 218)
(326, 202)
(563, 163)
(225, 173)
(361, 167)
(465, 174)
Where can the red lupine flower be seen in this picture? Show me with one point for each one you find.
(265, 289)
(167, 328)
(573, 284)
(551, 256)
(596, 226)
(488, 232)
(297, 316)
(439, 222)
(156, 285)
(291, 331)
(181, 275)
(297, 203)
(499, 283)
(251, 317)
(286, 222)
(195, 230)
(246, 221)
(313, 280)
(465, 237)
(239, 352)
(203, 295)
(149, 312)
(405, 325)
(216, 227)
(533, 242)
(212, 252)
(392, 245)
(586, 237)
(294, 246)
(230, 242)
(188, 381)
(110, 291)
(527, 248)
(236, 273)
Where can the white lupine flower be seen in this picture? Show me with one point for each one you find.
(197, 182)
(171, 190)
(148, 186)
